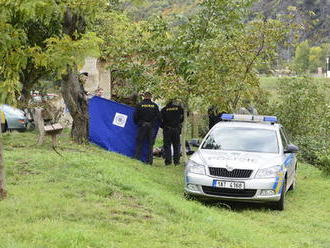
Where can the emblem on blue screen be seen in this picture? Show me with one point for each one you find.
(120, 120)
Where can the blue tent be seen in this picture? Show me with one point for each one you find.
(111, 126)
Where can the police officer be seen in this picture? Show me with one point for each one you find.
(214, 116)
(171, 120)
(146, 116)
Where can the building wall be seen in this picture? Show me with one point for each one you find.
(98, 77)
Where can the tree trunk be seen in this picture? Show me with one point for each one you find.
(73, 93)
(194, 125)
(76, 100)
(3, 192)
(184, 134)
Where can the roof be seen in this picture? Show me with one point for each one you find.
(245, 124)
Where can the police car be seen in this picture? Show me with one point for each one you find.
(243, 158)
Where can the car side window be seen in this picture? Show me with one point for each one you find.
(283, 138)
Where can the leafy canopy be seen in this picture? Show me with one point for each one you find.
(32, 37)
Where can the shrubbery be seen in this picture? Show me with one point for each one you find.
(324, 161)
(303, 109)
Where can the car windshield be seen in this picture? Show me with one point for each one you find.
(242, 139)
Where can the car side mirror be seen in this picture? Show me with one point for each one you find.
(195, 142)
(291, 148)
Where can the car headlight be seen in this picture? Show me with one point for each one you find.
(268, 172)
(193, 167)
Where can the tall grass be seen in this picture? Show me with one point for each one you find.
(95, 198)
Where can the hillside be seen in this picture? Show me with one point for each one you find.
(139, 10)
(94, 198)
(313, 15)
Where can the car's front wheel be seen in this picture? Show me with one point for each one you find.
(279, 205)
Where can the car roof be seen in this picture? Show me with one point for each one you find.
(246, 124)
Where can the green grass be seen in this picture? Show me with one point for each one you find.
(93, 198)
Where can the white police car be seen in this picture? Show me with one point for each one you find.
(244, 158)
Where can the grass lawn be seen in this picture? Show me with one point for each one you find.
(94, 198)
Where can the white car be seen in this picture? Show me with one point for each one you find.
(243, 158)
(15, 119)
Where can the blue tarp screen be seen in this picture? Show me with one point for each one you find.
(111, 126)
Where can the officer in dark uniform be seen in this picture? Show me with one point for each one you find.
(214, 116)
(146, 116)
(171, 122)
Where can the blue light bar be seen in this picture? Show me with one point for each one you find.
(227, 117)
(272, 119)
(249, 118)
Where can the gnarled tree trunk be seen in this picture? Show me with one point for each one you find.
(72, 92)
(3, 192)
(76, 101)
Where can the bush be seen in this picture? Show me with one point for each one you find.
(324, 162)
(300, 105)
(302, 108)
(311, 147)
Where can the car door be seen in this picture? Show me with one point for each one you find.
(289, 158)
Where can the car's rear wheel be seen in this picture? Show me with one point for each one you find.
(280, 205)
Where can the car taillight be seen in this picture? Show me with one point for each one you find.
(21, 121)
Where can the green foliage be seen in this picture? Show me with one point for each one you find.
(315, 59)
(324, 161)
(120, 50)
(309, 59)
(213, 55)
(302, 107)
(301, 58)
(32, 44)
(311, 148)
(63, 52)
(228, 63)
(299, 105)
(144, 9)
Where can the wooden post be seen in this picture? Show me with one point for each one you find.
(39, 122)
(53, 130)
(54, 140)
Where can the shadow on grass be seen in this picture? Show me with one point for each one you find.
(237, 206)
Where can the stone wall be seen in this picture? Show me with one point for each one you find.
(98, 77)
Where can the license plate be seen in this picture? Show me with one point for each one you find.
(228, 184)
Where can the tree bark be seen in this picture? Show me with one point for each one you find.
(3, 192)
(76, 101)
(184, 134)
(73, 93)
